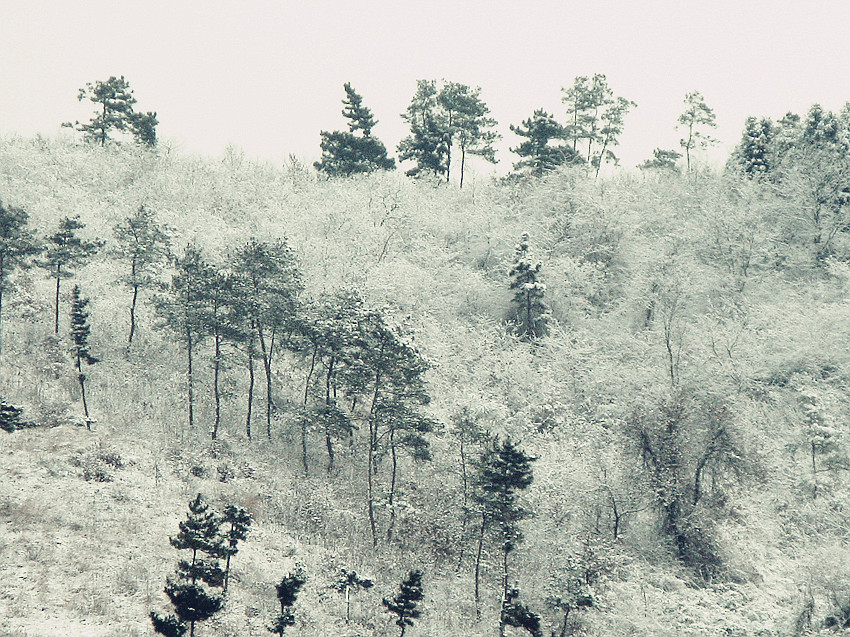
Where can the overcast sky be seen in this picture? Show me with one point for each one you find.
(267, 75)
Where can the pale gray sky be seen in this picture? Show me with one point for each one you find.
(267, 75)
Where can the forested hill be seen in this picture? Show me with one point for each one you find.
(649, 431)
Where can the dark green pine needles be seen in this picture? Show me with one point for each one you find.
(404, 604)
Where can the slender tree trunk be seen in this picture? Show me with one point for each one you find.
(328, 440)
(504, 592)
(56, 300)
(133, 302)
(462, 163)
(216, 392)
(82, 378)
(304, 420)
(2, 286)
(347, 604)
(250, 380)
(564, 624)
(226, 572)
(478, 566)
(391, 525)
(465, 516)
(267, 365)
(370, 459)
(190, 377)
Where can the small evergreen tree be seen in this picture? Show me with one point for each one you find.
(145, 244)
(405, 603)
(16, 244)
(80, 335)
(662, 160)
(287, 594)
(64, 250)
(531, 311)
(10, 418)
(516, 614)
(539, 154)
(753, 154)
(350, 582)
(347, 153)
(115, 101)
(190, 589)
(240, 522)
(428, 142)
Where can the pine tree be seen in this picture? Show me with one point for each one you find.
(287, 595)
(405, 603)
(753, 154)
(80, 335)
(240, 522)
(531, 311)
(16, 244)
(611, 123)
(348, 583)
(428, 142)
(64, 250)
(115, 101)
(697, 115)
(502, 471)
(10, 418)
(519, 615)
(662, 160)
(145, 244)
(181, 310)
(190, 589)
(347, 153)
(540, 155)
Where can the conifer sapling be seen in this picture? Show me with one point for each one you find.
(287, 594)
(348, 583)
(405, 603)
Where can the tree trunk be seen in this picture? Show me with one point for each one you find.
(216, 392)
(56, 300)
(328, 440)
(462, 163)
(478, 566)
(82, 378)
(250, 380)
(504, 592)
(370, 459)
(267, 365)
(2, 285)
(190, 377)
(391, 524)
(133, 302)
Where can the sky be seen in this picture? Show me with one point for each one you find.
(267, 76)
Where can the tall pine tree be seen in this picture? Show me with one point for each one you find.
(80, 336)
(503, 470)
(64, 250)
(16, 244)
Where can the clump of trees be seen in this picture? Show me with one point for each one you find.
(444, 116)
